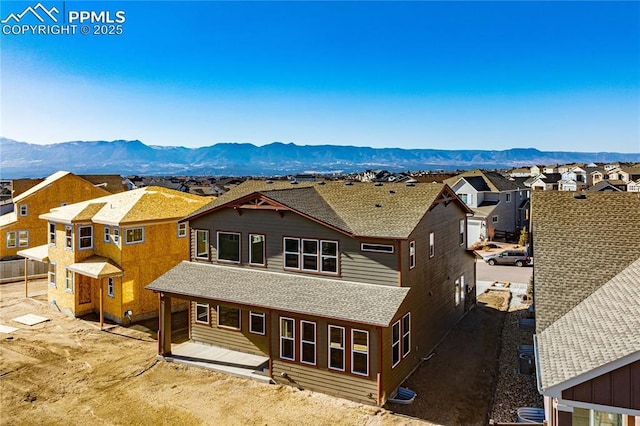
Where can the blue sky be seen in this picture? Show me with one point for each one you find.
(456, 75)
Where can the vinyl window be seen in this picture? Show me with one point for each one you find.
(336, 347)
(257, 323)
(329, 255)
(202, 244)
(52, 234)
(462, 232)
(360, 352)
(110, 287)
(23, 238)
(310, 255)
(182, 230)
(229, 317)
(107, 234)
(308, 342)
(412, 254)
(376, 248)
(85, 237)
(432, 245)
(494, 219)
(463, 288)
(11, 239)
(51, 273)
(115, 233)
(24, 210)
(256, 249)
(229, 247)
(456, 292)
(395, 344)
(68, 280)
(287, 338)
(292, 253)
(202, 313)
(406, 334)
(134, 235)
(508, 197)
(68, 237)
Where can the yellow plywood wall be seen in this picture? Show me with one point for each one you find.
(68, 189)
(62, 258)
(144, 262)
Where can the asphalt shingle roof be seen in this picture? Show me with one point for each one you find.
(343, 300)
(579, 244)
(483, 180)
(601, 329)
(391, 210)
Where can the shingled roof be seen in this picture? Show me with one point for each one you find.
(580, 241)
(343, 300)
(493, 181)
(391, 210)
(601, 329)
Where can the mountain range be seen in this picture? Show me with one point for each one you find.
(21, 159)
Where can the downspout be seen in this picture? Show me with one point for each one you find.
(399, 242)
(537, 361)
(380, 375)
(26, 277)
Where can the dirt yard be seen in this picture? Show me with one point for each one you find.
(67, 371)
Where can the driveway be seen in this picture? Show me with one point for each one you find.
(513, 274)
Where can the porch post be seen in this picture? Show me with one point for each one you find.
(101, 304)
(164, 331)
(26, 277)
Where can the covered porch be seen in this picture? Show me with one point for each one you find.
(38, 254)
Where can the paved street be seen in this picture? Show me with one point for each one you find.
(514, 274)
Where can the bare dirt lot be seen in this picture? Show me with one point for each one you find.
(68, 371)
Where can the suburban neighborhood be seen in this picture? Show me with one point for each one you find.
(348, 287)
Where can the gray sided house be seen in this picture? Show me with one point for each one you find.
(499, 204)
(587, 304)
(344, 288)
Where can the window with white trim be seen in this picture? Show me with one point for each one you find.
(111, 291)
(462, 232)
(256, 249)
(182, 230)
(11, 239)
(311, 255)
(360, 352)
(287, 338)
(494, 219)
(68, 237)
(308, 342)
(229, 247)
(336, 347)
(85, 237)
(115, 233)
(291, 253)
(376, 248)
(463, 288)
(228, 317)
(395, 344)
(456, 292)
(202, 244)
(406, 334)
(24, 210)
(257, 323)
(202, 313)
(134, 235)
(508, 197)
(106, 234)
(432, 245)
(52, 234)
(68, 280)
(23, 238)
(51, 273)
(412, 254)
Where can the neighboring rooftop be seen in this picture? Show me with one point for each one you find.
(146, 204)
(580, 241)
(390, 210)
(601, 329)
(483, 180)
(342, 300)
